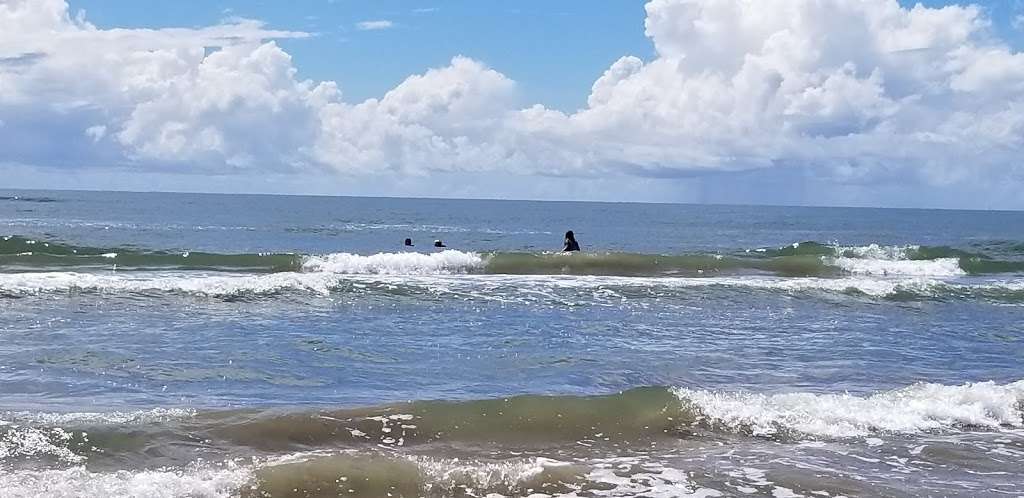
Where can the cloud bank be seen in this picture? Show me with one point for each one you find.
(855, 91)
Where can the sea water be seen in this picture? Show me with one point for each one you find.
(234, 345)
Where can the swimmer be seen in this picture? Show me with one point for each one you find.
(570, 242)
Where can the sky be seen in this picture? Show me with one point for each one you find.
(800, 102)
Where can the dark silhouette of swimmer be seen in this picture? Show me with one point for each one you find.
(408, 242)
(570, 242)
(438, 243)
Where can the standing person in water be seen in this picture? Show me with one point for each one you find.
(570, 242)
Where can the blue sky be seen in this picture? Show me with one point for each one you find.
(781, 101)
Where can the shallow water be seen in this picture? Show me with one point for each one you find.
(215, 345)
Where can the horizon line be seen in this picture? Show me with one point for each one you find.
(496, 199)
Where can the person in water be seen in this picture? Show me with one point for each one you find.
(408, 243)
(438, 243)
(570, 242)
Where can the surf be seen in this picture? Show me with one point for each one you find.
(558, 290)
(633, 417)
(26, 254)
(803, 259)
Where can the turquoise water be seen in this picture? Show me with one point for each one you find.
(222, 345)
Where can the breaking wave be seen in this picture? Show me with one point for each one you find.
(406, 263)
(367, 474)
(20, 253)
(399, 448)
(525, 289)
(917, 408)
(648, 413)
(631, 417)
(805, 259)
(213, 481)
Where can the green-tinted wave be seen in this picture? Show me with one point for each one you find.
(633, 417)
(1003, 256)
(628, 264)
(974, 263)
(641, 413)
(804, 259)
(809, 248)
(924, 253)
(20, 253)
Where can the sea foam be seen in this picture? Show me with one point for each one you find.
(18, 441)
(917, 408)
(489, 287)
(404, 263)
(204, 481)
(92, 419)
(20, 284)
(876, 251)
(895, 260)
(944, 267)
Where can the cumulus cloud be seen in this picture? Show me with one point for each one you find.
(860, 92)
(854, 88)
(375, 25)
(445, 119)
(214, 97)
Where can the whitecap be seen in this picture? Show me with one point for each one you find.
(913, 409)
(943, 267)
(205, 481)
(404, 263)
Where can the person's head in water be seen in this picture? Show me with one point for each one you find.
(570, 242)
(408, 242)
(438, 243)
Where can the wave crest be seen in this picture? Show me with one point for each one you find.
(945, 267)
(802, 259)
(917, 408)
(524, 289)
(403, 263)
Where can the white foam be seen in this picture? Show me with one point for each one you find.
(630, 476)
(205, 482)
(452, 474)
(943, 267)
(617, 476)
(197, 284)
(921, 407)
(875, 251)
(404, 263)
(512, 288)
(19, 441)
(155, 415)
(879, 260)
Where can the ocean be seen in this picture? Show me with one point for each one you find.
(194, 345)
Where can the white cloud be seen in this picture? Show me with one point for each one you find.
(240, 105)
(861, 90)
(96, 132)
(218, 95)
(858, 92)
(375, 25)
(445, 119)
